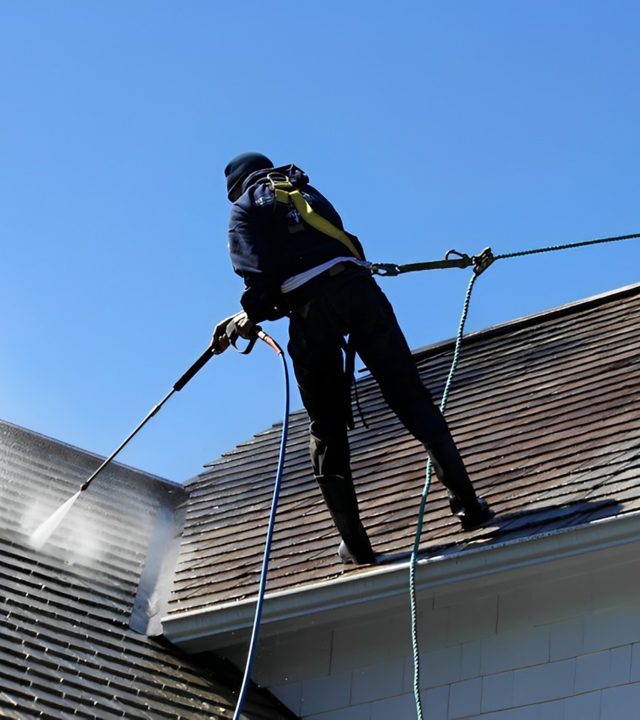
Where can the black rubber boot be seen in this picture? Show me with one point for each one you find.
(474, 516)
(448, 465)
(340, 497)
(451, 472)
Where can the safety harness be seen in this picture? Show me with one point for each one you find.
(286, 193)
(452, 259)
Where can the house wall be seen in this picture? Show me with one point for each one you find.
(558, 644)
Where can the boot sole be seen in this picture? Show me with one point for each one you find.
(479, 522)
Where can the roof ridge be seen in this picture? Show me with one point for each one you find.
(533, 318)
(88, 453)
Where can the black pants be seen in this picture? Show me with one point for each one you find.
(351, 303)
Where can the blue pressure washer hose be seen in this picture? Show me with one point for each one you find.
(253, 644)
(179, 384)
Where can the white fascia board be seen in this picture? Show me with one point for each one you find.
(360, 592)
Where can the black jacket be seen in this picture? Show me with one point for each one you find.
(268, 243)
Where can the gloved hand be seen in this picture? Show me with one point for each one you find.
(240, 326)
(227, 331)
(219, 340)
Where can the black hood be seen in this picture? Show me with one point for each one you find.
(241, 166)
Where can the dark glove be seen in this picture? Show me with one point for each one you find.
(240, 326)
(219, 339)
(227, 331)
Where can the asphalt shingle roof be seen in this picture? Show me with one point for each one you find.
(66, 648)
(545, 411)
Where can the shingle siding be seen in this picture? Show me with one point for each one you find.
(508, 671)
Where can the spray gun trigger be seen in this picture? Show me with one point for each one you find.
(251, 343)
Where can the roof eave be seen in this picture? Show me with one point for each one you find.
(366, 591)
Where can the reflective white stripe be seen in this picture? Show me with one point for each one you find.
(297, 280)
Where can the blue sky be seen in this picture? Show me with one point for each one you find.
(429, 125)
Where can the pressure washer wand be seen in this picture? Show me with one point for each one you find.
(178, 385)
(44, 531)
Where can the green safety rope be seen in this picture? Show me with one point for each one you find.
(566, 246)
(481, 262)
(423, 502)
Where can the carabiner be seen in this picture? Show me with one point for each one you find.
(463, 257)
(385, 269)
(481, 262)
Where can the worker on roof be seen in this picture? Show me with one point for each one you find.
(288, 244)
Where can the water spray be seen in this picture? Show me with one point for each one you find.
(43, 532)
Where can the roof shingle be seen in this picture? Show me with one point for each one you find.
(544, 409)
(66, 646)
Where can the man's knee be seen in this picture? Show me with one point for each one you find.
(329, 453)
(406, 393)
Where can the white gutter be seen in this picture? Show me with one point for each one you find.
(226, 623)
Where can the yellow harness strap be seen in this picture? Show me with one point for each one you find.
(285, 193)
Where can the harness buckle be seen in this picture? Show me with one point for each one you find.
(483, 261)
(385, 269)
(279, 181)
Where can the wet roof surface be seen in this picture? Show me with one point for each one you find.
(66, 648)
(546, 413)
